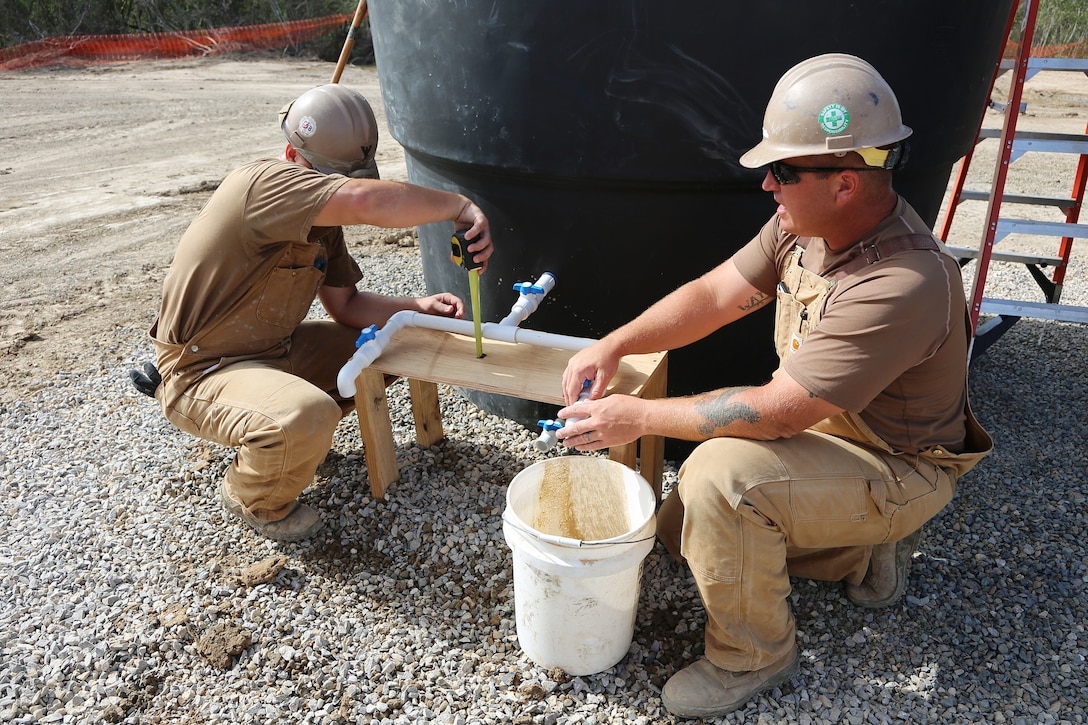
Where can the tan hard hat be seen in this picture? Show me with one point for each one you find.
(334, 129)
(833, 103)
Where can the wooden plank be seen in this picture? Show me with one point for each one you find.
(530, 372)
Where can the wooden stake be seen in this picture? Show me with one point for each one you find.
(349, 42)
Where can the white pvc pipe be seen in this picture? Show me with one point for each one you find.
(547, 439)
(371, 350)
(527, 304)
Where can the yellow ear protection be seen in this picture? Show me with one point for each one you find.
(893, 157)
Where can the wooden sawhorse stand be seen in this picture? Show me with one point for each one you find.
(531, 372)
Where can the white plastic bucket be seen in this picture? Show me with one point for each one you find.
(579, 528)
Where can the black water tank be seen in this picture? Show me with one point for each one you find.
(602, 138)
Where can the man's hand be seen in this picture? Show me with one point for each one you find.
(478, 234)
(358, 309)
(595, 363)
(604, 423)
(442, 304)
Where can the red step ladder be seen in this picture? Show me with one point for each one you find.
(1013, 145)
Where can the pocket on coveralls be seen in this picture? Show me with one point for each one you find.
(835, 512)
(917, 495)
(287, 296)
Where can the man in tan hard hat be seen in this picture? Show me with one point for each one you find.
(238, 364)
(829, 470)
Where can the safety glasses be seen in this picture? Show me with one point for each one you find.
(785, 174)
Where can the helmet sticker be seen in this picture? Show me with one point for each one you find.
(834, 119)
(307, 126)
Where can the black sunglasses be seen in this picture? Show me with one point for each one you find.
(785, 174)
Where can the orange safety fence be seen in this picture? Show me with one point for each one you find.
(1065, 50)
(93, 49)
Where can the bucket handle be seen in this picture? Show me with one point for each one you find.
(566, 541)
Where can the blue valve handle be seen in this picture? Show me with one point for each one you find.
(528, 288)
(554, 425)
(366, 335)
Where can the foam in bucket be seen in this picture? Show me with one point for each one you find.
(579, 528)
(580, 501)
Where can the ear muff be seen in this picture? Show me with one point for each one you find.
(892, 157)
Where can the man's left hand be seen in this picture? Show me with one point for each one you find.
(442, 304)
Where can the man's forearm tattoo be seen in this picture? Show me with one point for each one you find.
(755, 301)
(719, 409)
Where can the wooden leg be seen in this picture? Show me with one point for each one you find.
(376, 431)
(627, 454)
(426, 411)
(652, 448)
(652, 458)
(647, 454)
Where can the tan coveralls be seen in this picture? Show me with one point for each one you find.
(240, 365)
(747, 515)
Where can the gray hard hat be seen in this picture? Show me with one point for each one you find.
(334, 129)
(832, 104)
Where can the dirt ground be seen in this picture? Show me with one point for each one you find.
(104, 167)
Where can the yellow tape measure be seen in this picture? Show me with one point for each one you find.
(462, 257)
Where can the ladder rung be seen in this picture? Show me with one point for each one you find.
(1038, 310)
(1080, 64)
(1041, 141)
(1043, 229)
(995, 256)
(1061, 203)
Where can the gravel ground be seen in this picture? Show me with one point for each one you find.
(128, 596)
(124, 583)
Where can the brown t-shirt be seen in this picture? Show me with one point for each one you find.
(892, 342)
(248, 268)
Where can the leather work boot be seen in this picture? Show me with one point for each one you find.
(704, 690)
(302, 523)
(886, 579)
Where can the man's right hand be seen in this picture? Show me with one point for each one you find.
(595, 363)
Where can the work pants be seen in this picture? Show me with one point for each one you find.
(747, 515)
(280, 414)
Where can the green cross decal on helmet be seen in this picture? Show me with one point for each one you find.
(834, 119)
